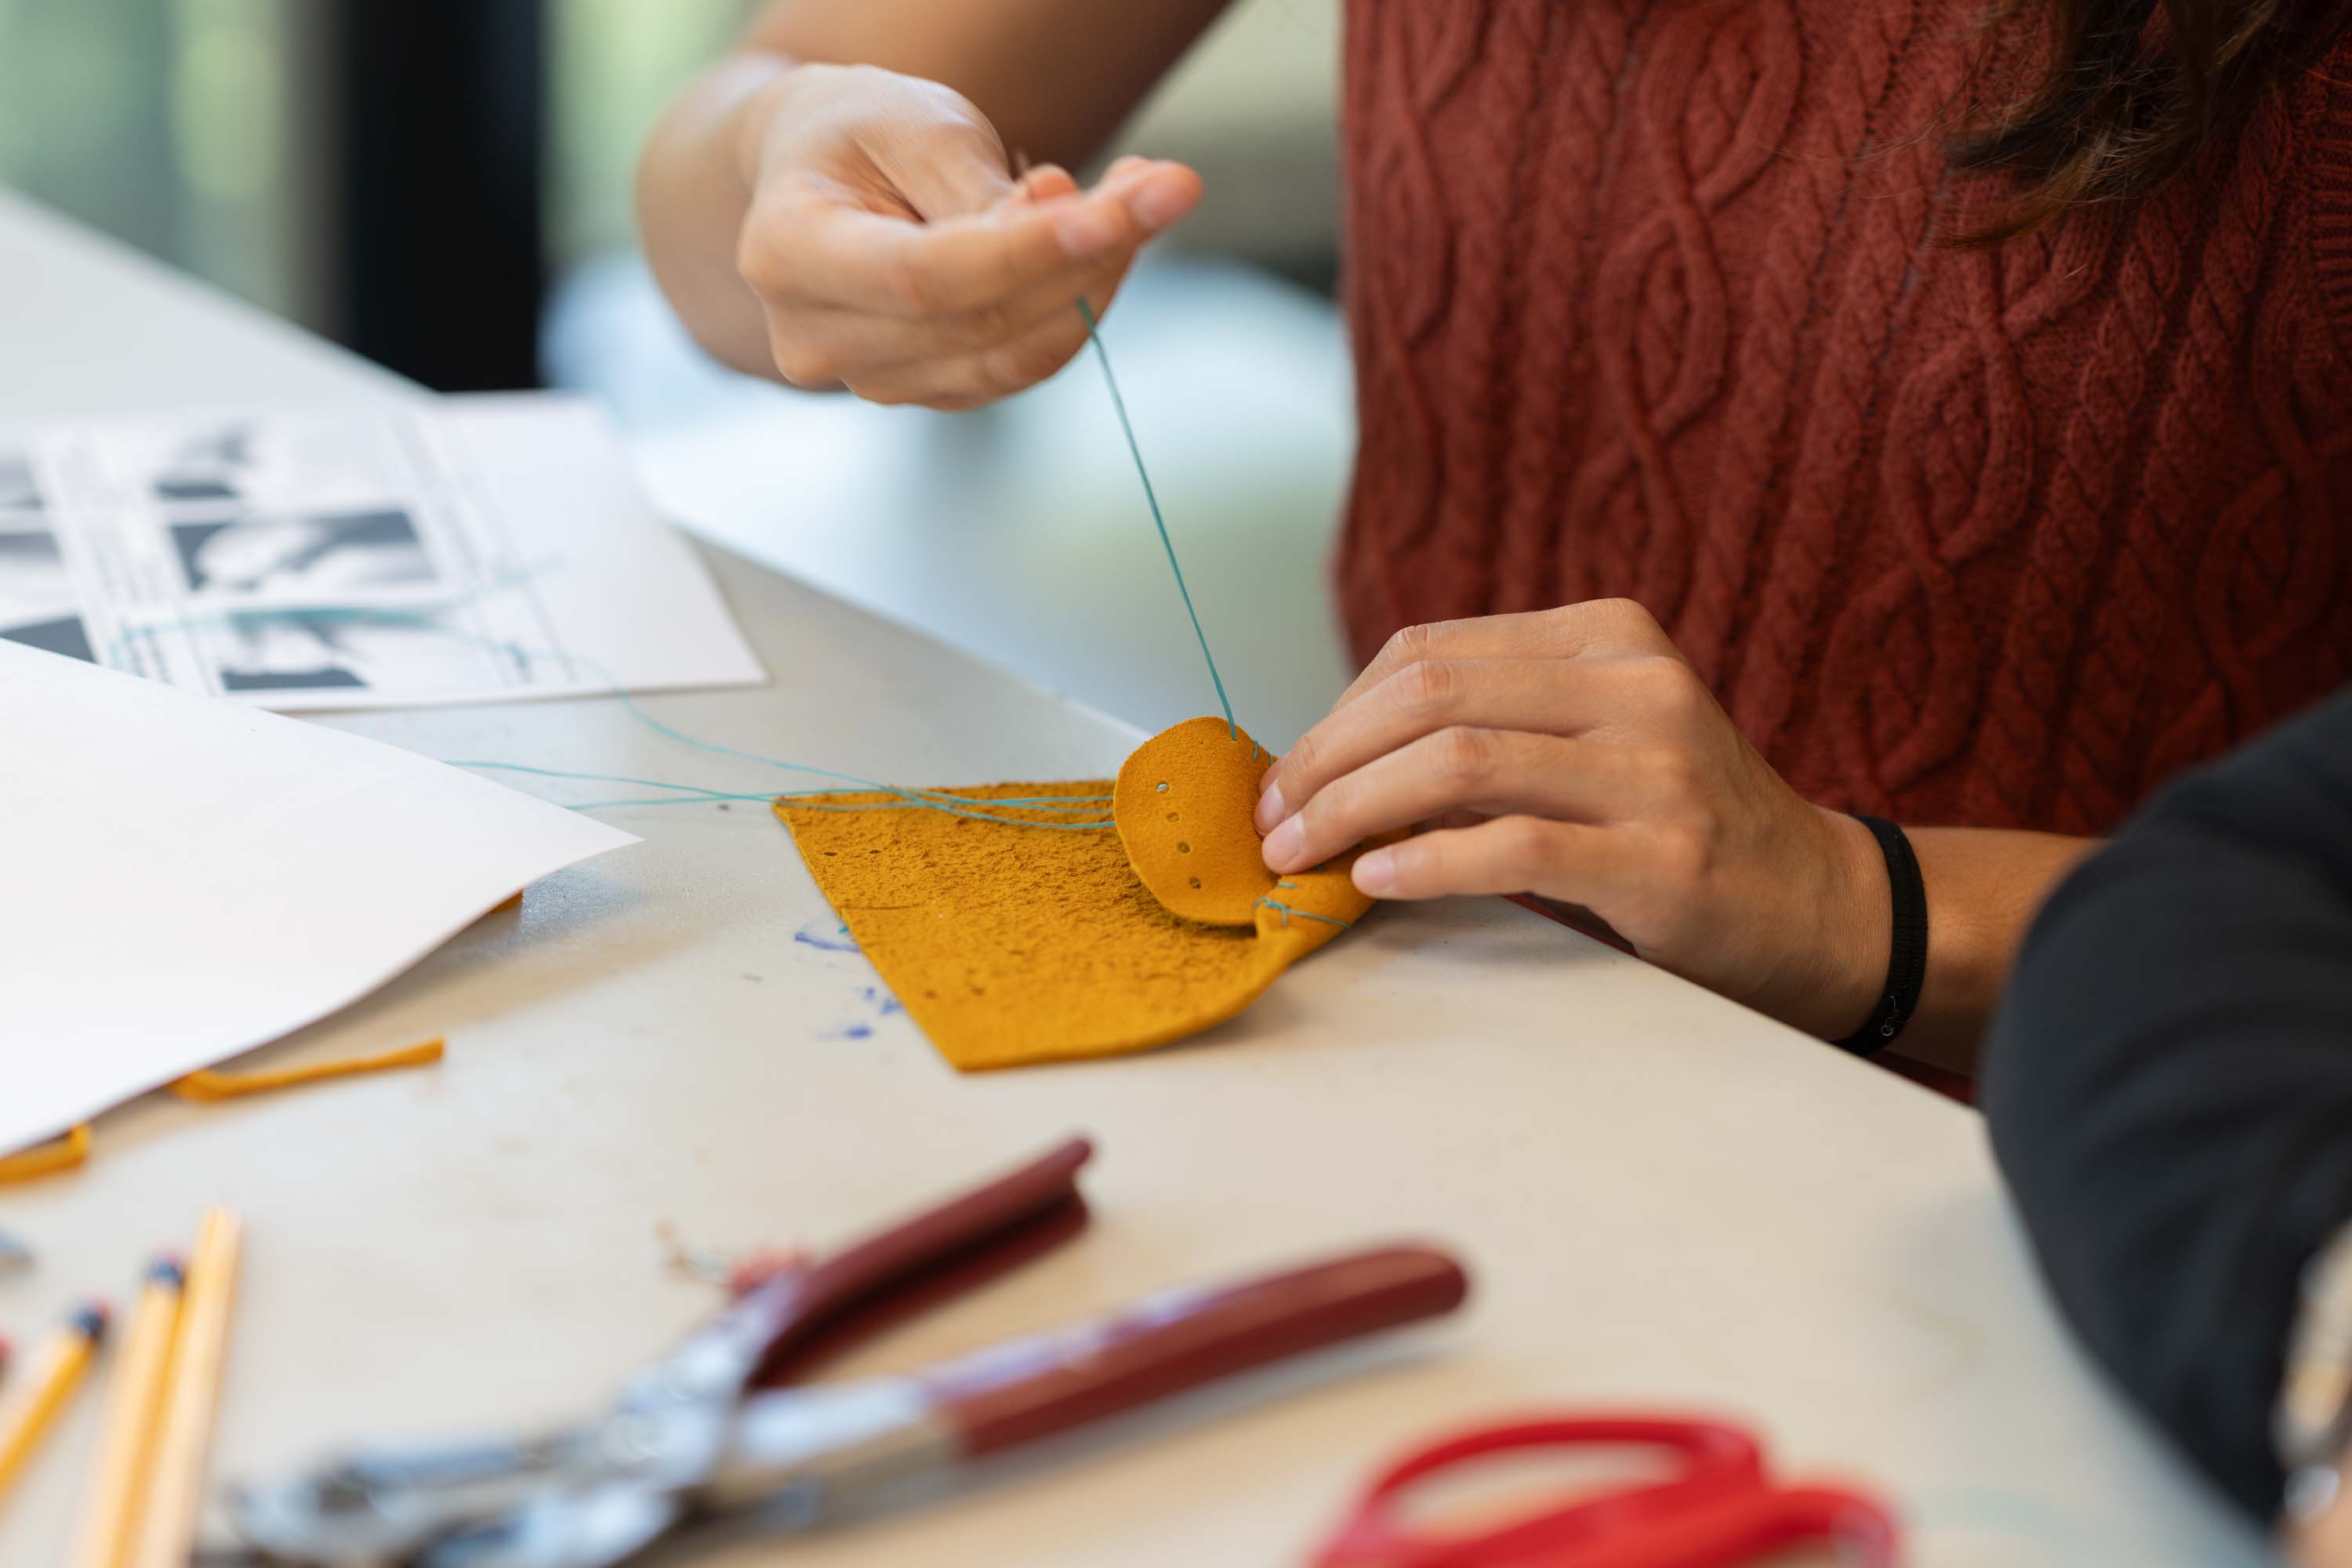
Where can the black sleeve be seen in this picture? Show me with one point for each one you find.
(2169, 1087)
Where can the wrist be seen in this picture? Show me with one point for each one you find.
(1832, 977)
(768, 82)
(2324, 1540)
(2310, 1417)
(1857, 931)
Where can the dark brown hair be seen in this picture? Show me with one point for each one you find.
(2121, 95)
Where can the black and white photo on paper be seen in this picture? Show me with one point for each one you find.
(339, 649)
(302, 559)
(292, 464)
(211, 465)
(33, 568)
(66, 634)
(279, 556)
(20, 487)
(38, 604)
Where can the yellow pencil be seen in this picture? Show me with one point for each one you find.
(68, 1357)
(166, 1530)
(134, 1409)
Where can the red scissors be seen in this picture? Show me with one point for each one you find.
(1718, 1507)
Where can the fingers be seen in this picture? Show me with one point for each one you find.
(958, 312)
(1049, 181)
(829, 346)
(952, 362)
(1566, 860)
(1492, 772)
(811, 242)
(804, 246)
(890, 244)
(1552, 697)
(1159, 196)
(943, 169)
(992, 356)
(1570, 631)
(984, 375)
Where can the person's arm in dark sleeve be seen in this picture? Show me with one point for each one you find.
(2169, 1087)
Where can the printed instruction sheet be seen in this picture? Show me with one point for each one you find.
(467, 550)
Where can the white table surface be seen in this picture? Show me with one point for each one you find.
(1665, 1199)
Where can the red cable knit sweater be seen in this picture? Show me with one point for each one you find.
(1645, 303)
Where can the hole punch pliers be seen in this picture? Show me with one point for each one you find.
(706, 1436)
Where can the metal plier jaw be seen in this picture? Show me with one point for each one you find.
(663, 1436)
(393, 1509)
(690, 1438)
(598, 1495)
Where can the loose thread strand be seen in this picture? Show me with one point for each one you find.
(700, 795)
(1286, 911)
(410, 619)
(1152, 498)
(952, 811)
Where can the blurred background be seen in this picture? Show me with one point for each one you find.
(443, 187)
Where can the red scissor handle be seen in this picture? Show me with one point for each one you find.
(1718, 1508)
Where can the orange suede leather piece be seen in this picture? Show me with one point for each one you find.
(1183, 803)
(1011, 944)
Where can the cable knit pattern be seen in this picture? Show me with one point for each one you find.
(1646, 301)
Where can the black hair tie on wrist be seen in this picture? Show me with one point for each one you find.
(1906, 958)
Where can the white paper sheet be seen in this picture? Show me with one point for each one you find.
(182, 879)
(470, 550)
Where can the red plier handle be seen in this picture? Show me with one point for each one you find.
(1035, 1388)
(794, 1321)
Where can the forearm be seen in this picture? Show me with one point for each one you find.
(1983, 888)
(2325, 1541)
(694, 187)
(1054, 76)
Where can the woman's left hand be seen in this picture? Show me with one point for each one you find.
(1608, 777)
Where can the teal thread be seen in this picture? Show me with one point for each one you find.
(1152, 498)
(935, 798)
(1034, 802)
(696, 795)
(426, 620)
(1287, 911)
(954, 811)
(688, 789)
(586, 806)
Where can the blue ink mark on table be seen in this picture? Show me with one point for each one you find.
(816, 935)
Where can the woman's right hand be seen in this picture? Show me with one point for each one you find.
(894, 252)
